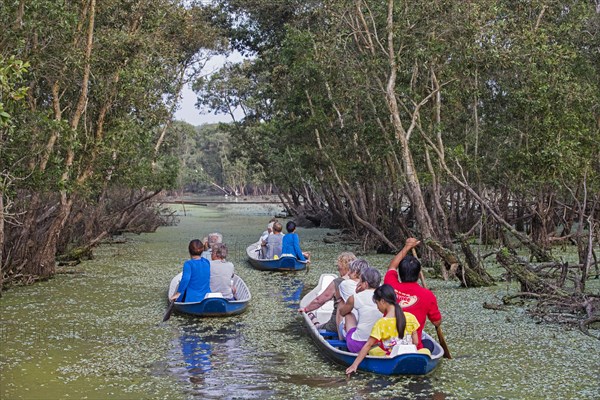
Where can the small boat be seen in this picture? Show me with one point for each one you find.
(214, 304)
(329, 345)
(285, 263)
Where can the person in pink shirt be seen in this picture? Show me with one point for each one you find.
(402, 275)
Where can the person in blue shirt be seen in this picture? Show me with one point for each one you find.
(195, 280)
(291, 244)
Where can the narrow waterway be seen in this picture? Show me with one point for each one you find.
(96, 333)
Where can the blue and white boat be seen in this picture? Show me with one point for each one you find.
(336, 350)
(214, 304)
(285, 263)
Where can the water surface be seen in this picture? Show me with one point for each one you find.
(97, 334)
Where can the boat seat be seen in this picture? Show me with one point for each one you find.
(327, 334)
(214, 295)
(428, 345)
(341, 344)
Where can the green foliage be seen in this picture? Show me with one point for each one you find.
(11, 93)
(518, 108)
(207, 157)
(139, 50)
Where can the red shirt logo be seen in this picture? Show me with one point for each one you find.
(406, 300)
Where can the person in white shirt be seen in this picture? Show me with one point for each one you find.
(263, 239)
(348, 288)
(359, 325)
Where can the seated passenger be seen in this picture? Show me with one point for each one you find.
(195, 280)
(359, 326)
(263, 241)
(213, 238)
(332, 292)
(263, 236)
(346, 289)
(274, 242)
(385, 331)
(221, 272)
(291, 243)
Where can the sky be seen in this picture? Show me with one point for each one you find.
(187, 110)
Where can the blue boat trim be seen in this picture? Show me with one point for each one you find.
(403, 364)
(213, 306)
(281, 264)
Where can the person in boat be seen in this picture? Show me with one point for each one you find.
(265, 234)
(384, 333)
(263, 238)
(403, 273)
(274, 242)
(331, 292)
(291, 244)
(221, 272)
(358, 325)
(195, 280)
(348, 288)
(213, 238)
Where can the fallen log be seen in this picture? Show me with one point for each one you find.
(530, 282)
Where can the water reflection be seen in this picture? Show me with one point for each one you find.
(206, 357)
(291, 290)
(419, 386)
(196, 353)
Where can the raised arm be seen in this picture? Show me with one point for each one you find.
(408, 246)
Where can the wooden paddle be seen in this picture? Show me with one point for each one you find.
(442, 341)
(170, 310)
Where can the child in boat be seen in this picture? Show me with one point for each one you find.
(332, 292)
(385, 331)
(348, 288)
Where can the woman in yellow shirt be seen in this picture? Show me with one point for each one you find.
(385, 331)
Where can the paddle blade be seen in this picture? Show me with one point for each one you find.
(442, 341)
(169, 310)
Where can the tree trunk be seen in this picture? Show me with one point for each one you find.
(412, 180)
(1, 241)
(475, 274)
(530, 282)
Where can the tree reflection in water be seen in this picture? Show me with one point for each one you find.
(291, 290)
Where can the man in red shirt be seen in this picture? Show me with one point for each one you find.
(402, 275)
